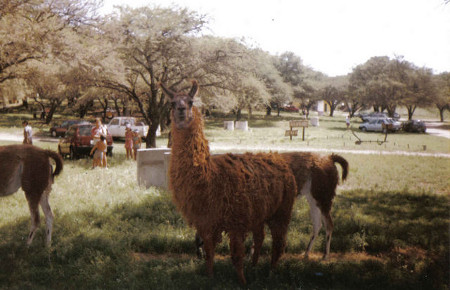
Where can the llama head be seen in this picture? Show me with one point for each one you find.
(181, 102)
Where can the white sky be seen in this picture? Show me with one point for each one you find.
(331, 36)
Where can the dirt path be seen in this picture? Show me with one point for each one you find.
(432, 131)
(19, 138)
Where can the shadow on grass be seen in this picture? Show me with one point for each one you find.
(97, 249)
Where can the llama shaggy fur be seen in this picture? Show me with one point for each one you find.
(317, 177)
(29, 167)
(236, 194)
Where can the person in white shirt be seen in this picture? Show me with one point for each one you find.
(27, 133)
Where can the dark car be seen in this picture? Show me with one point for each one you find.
(290, 108)
(78, 141)
(414, 126)
(61, 129)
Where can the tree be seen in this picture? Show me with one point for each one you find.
(48, 89)
(146, 46)
(382, 83)
(34, 29)
(334, 91)
(420, 90)
(442, 97)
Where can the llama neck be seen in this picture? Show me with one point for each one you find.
(190, 150)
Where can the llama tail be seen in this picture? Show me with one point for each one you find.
(58, 160)
(344, 164)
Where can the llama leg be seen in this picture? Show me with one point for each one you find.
(237, 255)
(209, 246)
(278, 230)
(33, 205)
(199, 246)
(48, 217)
(329, 229)
(316, 221)
(258, 239)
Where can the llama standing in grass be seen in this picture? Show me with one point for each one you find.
(29, 167)
(317, 177)
(229, 193)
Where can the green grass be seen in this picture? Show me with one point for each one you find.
(391, 228)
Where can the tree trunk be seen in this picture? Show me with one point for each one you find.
(391, 110)
(332, 109)
(238, 114)
(411, 109)
(441, 114)
(116, 106)
(150, 140)
(442, 110)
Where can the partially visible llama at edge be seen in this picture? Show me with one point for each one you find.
(317, 177)
(29, 167)
(229, 193)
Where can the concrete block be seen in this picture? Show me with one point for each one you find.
(228, 125)
(315, 121)
(242, 125)
(151, 167)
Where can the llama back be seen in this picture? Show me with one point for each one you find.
(252, 186)
(321, 171)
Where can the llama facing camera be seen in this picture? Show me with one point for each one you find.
(232, 193)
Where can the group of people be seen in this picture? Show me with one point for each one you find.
(99, 132)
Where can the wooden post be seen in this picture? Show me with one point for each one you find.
(293, 124)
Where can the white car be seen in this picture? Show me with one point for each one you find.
(376, 125)
(117, 125)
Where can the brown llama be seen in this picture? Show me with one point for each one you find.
(236, 194)
(29, 167)
(317, 177)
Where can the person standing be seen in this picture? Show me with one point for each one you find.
(347, 121)
(27, 133)
(100, 153)
(97, 131)
(129, 141)
(136, 143)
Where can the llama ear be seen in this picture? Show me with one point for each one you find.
(166, 90)
(194, 89)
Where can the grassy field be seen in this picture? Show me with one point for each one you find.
(391, 223)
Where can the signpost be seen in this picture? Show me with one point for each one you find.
(295, 124)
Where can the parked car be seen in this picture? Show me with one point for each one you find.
(414, 126)
(118, 124)
(367, 117)
(290, 108)
(376, 125)
(78, 141)
(61, 129)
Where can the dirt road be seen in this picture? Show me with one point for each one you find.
(432, 131)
